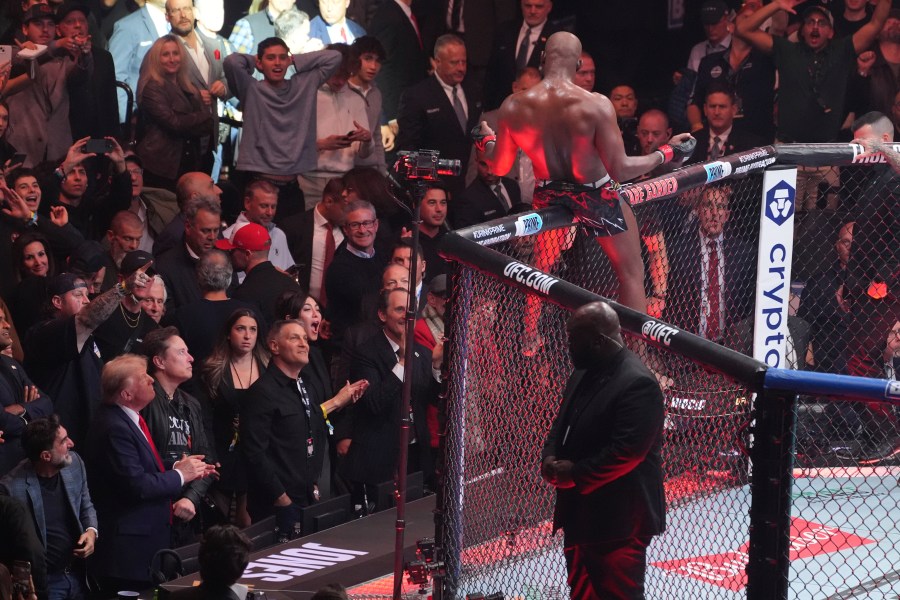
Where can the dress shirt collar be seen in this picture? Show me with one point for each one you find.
(394, 345)
(725, 44)
(706, 239)
(132, 414)
(360, 253)
(535, 29)
(406, 9)
(158, 17)
(723, 137)
(447, 88)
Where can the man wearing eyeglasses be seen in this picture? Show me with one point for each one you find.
(355, 270)
(813, 75)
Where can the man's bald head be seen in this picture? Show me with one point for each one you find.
(193, 184)
(561, 53)
(594, 334)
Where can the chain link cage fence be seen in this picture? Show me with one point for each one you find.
(506, 385)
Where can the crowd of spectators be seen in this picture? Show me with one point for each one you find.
(206, 270)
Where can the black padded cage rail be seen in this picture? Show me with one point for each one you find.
(492, 526)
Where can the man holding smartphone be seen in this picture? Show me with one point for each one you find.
(341, 126)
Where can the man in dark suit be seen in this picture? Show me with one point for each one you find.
(518, 44)
(603, 456)
(489, 197)
(332, 26)
(374, 452)
(439, 112)
(132, 490)
(282, 433)
(177, 265)
(712, 272)
(314, 235)
(355, 271)
(406, 60)
(52, 483)
(477, 22)
(721, 137)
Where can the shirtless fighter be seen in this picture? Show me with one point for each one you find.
(572, 138)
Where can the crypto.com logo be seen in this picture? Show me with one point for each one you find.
(780, 202)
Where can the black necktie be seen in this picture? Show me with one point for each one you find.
(522, 54)
(498, 191)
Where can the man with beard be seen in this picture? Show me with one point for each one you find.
(61, 353)
(204, 66)
(813, 75)
(51, 481)
(124, 330)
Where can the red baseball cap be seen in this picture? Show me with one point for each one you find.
(252, 237)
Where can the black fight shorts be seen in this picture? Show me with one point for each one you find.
(595, 205)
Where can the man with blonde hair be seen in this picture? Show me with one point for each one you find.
(132, 487)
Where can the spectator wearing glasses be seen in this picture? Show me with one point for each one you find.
(355, 270)
(813, 80)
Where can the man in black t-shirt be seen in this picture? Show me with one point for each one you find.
(126, 327)
(59, 504)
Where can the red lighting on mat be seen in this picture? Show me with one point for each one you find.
(727, 568)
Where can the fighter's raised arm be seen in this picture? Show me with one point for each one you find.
(620, 166)
(575, 146)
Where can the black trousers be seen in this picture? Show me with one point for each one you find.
(608, 570)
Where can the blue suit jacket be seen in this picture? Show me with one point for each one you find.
(132, 496)
(318, 29)
(131, 39)
(22, 483)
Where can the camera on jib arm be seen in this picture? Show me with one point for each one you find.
(426, 165)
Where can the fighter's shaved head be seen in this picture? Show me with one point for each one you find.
(562, 53)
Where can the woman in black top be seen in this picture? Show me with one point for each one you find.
(237, 361)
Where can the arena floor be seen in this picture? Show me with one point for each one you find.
(845, 545)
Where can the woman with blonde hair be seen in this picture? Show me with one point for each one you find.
(173, 115)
